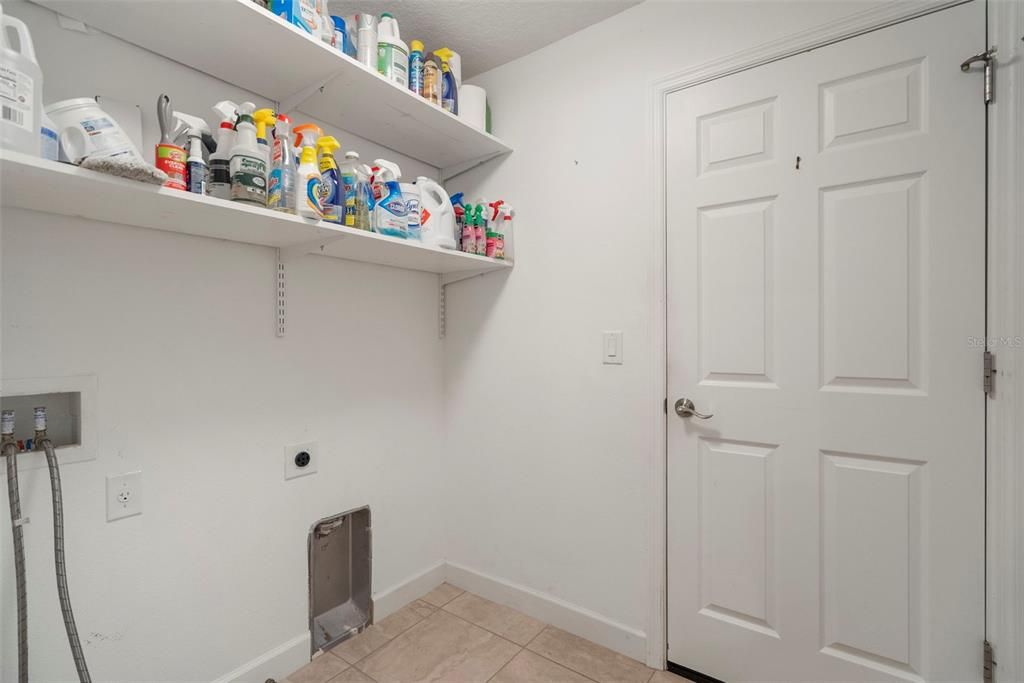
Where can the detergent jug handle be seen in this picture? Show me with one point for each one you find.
(25, 45)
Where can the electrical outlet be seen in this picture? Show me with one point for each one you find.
(300, 459)
(124, 495)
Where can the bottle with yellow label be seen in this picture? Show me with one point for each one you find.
(330, 187)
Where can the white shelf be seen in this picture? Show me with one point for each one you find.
(27, 182)
(289, 67)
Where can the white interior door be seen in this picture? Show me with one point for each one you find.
(826, 524)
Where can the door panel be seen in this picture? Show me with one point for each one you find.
(826, 524)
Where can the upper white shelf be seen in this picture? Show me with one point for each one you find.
(241, 43)
(28, 182)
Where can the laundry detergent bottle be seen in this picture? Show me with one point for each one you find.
(309, 182)
(21, 93)
(330, 187)
(392, 53)
(391, 212)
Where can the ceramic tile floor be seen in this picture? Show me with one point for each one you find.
(452, 635)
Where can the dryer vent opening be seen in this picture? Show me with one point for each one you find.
(339, 578)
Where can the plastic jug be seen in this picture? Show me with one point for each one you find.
(437, 215)
(21, 97)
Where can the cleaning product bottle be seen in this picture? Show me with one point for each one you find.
(505, 232)
(248, 164)
(416, 67)
(302, 13)
(392, 53)
(391, 211)
(348, 180)
(480, 230)
(309, 205)
(437, 215)
(365, 202)
(197, 171)
(264, 118)
(431, 80)
(330, 183)
(449, 88)
(219, 183)
(305, 132)
(22, 91)
(281, 187)
(411, 195)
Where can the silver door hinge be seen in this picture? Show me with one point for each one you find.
(988, 58)
(989, 372)
(989, 665)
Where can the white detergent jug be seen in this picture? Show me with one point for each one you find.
(21, 89)
(437, 215)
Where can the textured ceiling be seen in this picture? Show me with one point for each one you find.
(487, 33)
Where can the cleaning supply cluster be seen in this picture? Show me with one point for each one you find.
(376, 43)
(484, 227)
(260, 159)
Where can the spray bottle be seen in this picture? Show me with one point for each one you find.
(505, 231)
(480, 229)
(281, 186)
(262, 119)
(348, 179)
(308, 176)
(248, 164)
(219, 184)
(391, 212)
(449, 87)
(330, 188)
(198, 171)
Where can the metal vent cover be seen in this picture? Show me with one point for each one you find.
(339, 578)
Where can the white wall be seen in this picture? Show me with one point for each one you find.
(549, 450)
(197, 392)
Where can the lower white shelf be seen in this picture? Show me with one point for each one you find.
(28, 182)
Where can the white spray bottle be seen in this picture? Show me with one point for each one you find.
(309, 181)
(248, 161)
(219, 184)
(391, 212)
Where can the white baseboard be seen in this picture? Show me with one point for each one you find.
(392, 599)
(294, 654)
(287, 657)
(555, 611)
(276, 663)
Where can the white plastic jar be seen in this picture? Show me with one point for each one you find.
(88, 131)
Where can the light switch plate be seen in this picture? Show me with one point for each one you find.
(612, 348)
(124, 495)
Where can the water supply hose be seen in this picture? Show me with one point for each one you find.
(58, 555)
(10, 453)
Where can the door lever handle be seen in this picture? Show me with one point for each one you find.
(685, 408)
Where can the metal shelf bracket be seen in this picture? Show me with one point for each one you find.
(443, 280)
(284, 256)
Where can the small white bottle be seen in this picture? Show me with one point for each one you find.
(308, 196)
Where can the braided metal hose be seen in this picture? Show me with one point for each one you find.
(58, 555)
(10, 452)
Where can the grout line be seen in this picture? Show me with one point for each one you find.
(566, 666)
(521, 649)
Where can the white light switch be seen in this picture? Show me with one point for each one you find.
(613, 348)
(124, 495)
